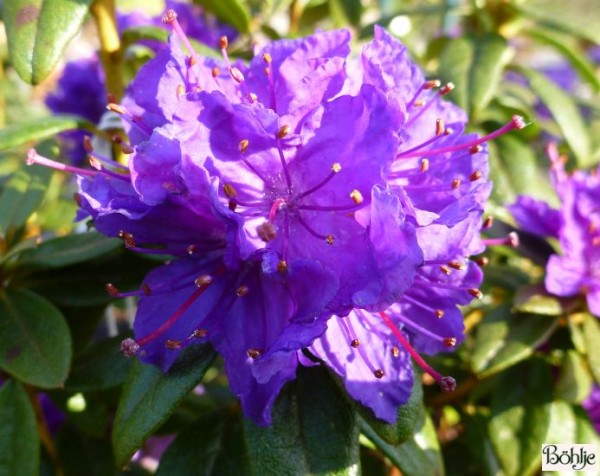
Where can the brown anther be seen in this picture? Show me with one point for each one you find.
(229, 190)
(476, 293)
(424, 165)
(243, 146)
(432, 84)
(596, 241)
(518, 122)
(128, 240)
(87, 144)
(282, 266)
(336, 167)
(252, 97)
(215, 72)
(474, 149)
(592, 227)
(455, 183)
(395, 351)
(483, 261)
(94, 162)
(117, 139)
(457, 265)
(116, 108)
(513, 239)
(223, 42)
(444, 269)
(487, 223)
(232, 205)
(355, 343)
(127, 149)
(236, 74)
(448, 131)
(439, 313)
(112, 289)
(475, 176)
(129, 347)
(191, 249)
(266, 231)
(253, 353)
(447, 384)
(146, 290)
(204, 280)
(173, 344)
(419, 103)
(180, 91)
(169, 16)
(329, 239)
(242, 290)
(283, 131)
(78, 198)
(356, 196)
(267, 58)
(267, 71)
(446, 89)
(379, 373)
(450, 341)
(439, 127)
(200, 333)
(191, 61)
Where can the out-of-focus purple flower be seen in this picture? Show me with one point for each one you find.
(592, 406)
(313, 201)
(149, 455)
(576, 270)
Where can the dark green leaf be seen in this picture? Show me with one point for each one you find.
(574, 382)
(211, 445)
(233, 12)
(570, 424)
(39, 129)
(34, 339)
(410, 417)
(153, 33)
(520, 416)
(19, 443)
(81, 454)
(591, 336)
(150, 396)
(21, 196)
(38, 31)
(68, 250)
(416, 457)
(475, 65)
(504, 338)
(535, 300)
(346, 12)
(314, 430)
(101, 366)
(478, 441)
(565, 113)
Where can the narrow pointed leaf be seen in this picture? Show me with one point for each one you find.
(35, 343)
(150, 396)
(36, 130)
(591, 337)
(314, 430)
(38, 31)
(20, 446)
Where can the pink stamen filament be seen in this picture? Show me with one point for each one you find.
(34, 158)
(170, 17)
(340, 208)
(516, 123)
(417, 358)
(286, 172)
(318, 185)
(424, 144)
(309, 229)
(348, 330)
(274, 208)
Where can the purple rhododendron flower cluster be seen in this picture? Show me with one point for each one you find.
(576, 270)
(320, 208)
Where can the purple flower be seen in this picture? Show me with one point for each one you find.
(313, 200)
(592, 406)
(577, 226)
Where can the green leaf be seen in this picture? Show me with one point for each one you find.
(418, 456)
(534, 299)
(520, 417)
(34, 339)
(234, 12)
(20, 446)
(570, 424)
(411, 416)
(68, 250)
(36, 130)
(565, 112)
(211, 445)
(475, 65)
(504, 338)
(591, 336)
(150, 396)
(346, 12)
(99, 367)
(574, 382)
(314, 430)
(81, 454)
(38, 31)
(21, 196)
(153, 33)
